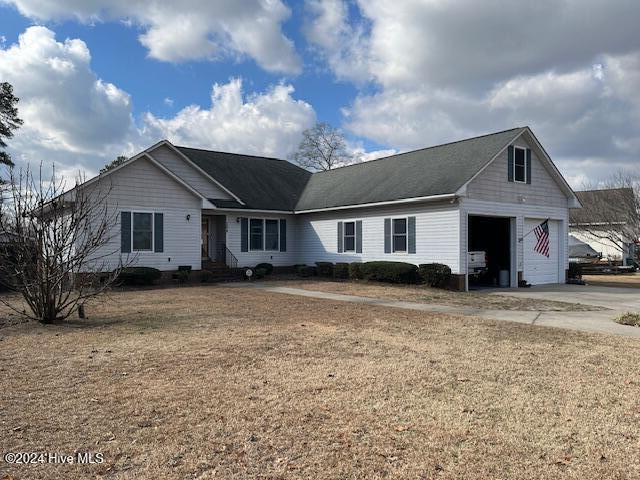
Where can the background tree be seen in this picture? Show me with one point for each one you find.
(322, 148)
(9, 120)
(120, 159)
(54, 235)
(611, 213)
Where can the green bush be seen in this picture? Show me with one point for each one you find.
(139, 275)
(267, 267)
(341, 270)
(325, 269)
(435, 274)
(630, 318)
(305, 271)
(355, 271)
(393, 272)
(575, 271)
(260, 272)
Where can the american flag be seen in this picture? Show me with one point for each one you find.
(542, 234)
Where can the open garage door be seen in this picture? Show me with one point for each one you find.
(538, 268)
(490, 238)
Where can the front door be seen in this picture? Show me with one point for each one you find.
(205, 237)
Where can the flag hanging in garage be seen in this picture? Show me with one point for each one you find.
(542, 234)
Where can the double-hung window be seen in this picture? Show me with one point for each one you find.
(271, 235)
(399, 234)
(349, 236)
(142, 232)
(256, 234)
(520, 165)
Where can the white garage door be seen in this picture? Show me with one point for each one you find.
(538, 268)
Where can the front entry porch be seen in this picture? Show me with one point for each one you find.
(214, 241)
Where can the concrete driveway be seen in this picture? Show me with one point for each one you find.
(616, 300)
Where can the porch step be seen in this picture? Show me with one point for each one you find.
(220, 271)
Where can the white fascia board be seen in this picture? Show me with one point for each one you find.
(430, 198)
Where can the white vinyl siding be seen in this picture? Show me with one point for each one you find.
(437, 235)
(492, 183)
(143, 187)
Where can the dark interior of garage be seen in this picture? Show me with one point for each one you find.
(493, 236)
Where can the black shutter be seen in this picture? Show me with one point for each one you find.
(125, 232)
(339, 237)
(528, 165)
(244, 234)
(158, 232)
(283, 235)
(510, 167)
(359, 236)
(411, 235)
(387, 235)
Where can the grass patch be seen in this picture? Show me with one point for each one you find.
(425, 294)
(630, 318)
(211, 382)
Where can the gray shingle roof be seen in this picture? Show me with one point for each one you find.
(271, 184)
(261, 183)
(603, 206)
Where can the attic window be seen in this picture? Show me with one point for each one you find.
(520, 165)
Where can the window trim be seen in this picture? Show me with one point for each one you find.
(264, 234)
(406, 235)
(524, 165)
(153, 230)
(344, 236)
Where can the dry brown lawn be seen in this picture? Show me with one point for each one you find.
(208, 382)
(423, 294)
(631, 280)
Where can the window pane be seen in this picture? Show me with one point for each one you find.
(400, 225)
(271, 235)
(350, 244)
(255, 229)
(519, 173)
(349, 228)
(142, 236)
(142, 240)
(519, 156)
(399, 243)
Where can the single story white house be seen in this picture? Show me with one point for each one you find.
(185, 206)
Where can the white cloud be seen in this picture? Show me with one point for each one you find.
(447, 70)
(269, 123)
(67, 110)
(168, 101)
(79, 121)
(190, 29)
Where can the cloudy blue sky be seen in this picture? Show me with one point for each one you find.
(99, 78)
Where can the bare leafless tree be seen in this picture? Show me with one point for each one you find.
(322, 148)
(56, 245)
(610, 212)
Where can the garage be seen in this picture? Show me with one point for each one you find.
(491, 235)
(538, 267)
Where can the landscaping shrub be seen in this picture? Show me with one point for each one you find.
(575, 270)
(435, 274)
(267, 267)
(260, 272)
(355, 271)
(325, 269)
(341, 270)
(393, 272)
(305, 271)
(139, 275)
(629, 318)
